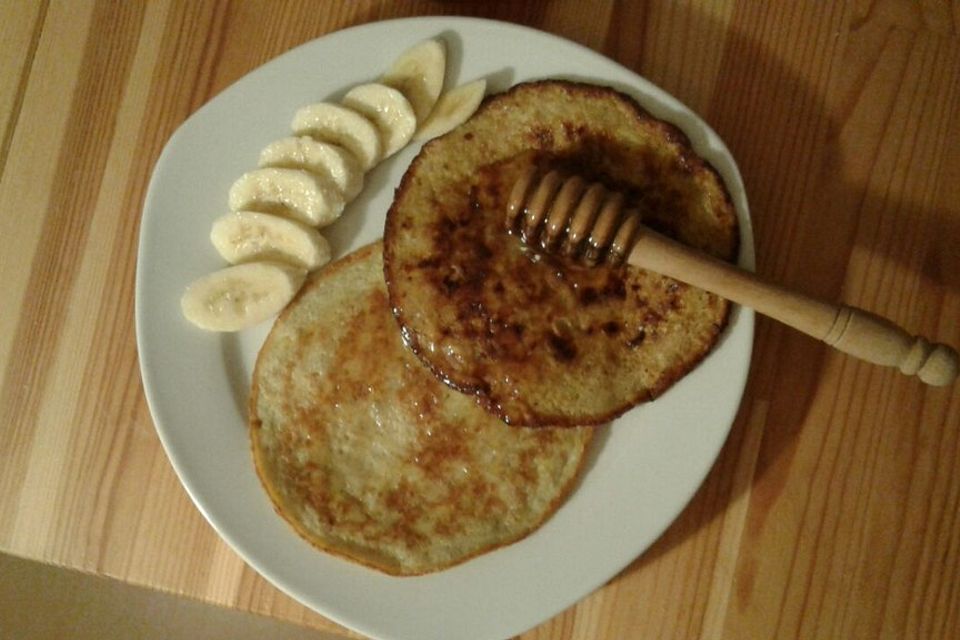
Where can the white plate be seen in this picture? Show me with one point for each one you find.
(644, 471)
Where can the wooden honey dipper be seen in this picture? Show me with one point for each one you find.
(589, 222)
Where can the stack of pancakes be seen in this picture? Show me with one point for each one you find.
(399, 455)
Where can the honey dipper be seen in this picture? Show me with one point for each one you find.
(588, 222)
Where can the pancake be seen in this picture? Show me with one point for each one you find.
(541, 340)
(370, 457)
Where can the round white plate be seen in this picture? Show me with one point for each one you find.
(646, 466)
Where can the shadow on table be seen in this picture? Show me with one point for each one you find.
(824, 223)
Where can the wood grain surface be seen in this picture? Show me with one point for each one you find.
(833, 511)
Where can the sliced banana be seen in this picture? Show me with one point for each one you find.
(453, 109)
(324, 158)
(245, 236)
(388, 109)
(240, 296)
(418, 75)
(299, 194)
(343, 126)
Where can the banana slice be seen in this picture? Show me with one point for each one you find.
(299, 194)
(453, 109)
(326, 159)
(343, 126)
(388, 109)
(240, 296)
(245, 236)
(418, 75)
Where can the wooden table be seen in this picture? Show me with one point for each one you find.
(834, 508)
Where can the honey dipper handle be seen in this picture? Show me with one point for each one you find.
(854, 331)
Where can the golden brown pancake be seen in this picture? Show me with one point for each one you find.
(370, 457)
(540, 340)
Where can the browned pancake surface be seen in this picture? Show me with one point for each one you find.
(370, 457)
(539, 339)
